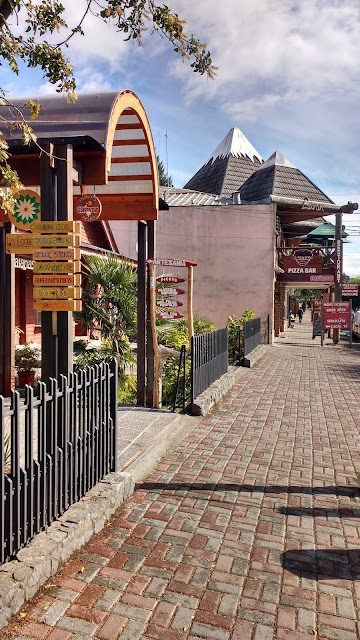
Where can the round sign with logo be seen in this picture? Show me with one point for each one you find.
(26, 209)
(88, 208)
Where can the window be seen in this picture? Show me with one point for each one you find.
(37, 321)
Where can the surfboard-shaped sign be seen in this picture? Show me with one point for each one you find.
(170, 279)
(169, 315)
(169, 291)
(171, 262)
(169, 303)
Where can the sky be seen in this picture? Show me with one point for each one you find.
(288, 76)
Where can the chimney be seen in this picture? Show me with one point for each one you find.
(236, 196)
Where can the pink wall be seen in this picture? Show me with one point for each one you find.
(233, 246)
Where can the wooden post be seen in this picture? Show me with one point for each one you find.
(338, 267)
(151, 225)
(190, 302)
(48, 212)
(157, 360)
(7, 318)
(141, 313)
(64, 199)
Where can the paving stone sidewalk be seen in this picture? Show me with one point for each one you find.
(248, 530)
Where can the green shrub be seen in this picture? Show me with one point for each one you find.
(127, 389)
(236, 335)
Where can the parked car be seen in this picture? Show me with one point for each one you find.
(356, 326)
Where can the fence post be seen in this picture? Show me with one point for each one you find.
(113, 410)
(192, 367)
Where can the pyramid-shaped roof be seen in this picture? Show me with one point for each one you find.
(279, 177)
(326, 230)
(232, 162)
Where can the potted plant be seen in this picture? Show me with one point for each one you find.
(27, 360)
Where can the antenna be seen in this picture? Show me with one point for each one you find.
(165, 135)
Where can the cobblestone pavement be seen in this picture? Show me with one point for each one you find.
(248, 530)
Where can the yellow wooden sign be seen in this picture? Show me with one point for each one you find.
(19, 243)
(57, 267)
(56, 254)
(58, 305)
(70, 240)
(49, 280)
(58, 293)
(59, 226)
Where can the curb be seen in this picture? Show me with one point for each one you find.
(21, 578)
(255, 355)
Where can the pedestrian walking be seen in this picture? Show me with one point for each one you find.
(300, 312)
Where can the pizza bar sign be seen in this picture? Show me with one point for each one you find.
(302, 262)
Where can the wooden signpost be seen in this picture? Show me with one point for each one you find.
(57, 267)
(162, 352)
(19, 243)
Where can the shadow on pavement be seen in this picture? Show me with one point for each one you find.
(320, 512)
(323, 564)
(351, 492)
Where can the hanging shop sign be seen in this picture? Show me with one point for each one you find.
(349, 289)
(48, 280)
(336, 315)
(26, 209)
(24, 264)
(169, 303)
(171, 262)
(169, 315)
(170, 279)
(169, 291)
(19, 243)
(57, 267)
(88, 208)
(302, 262)
(58, 305)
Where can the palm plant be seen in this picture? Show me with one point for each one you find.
(109, 302)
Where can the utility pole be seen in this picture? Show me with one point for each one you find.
(350, 207)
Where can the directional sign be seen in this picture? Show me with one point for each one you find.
(57, 226)
(169, 315)
(49, 293)
(19, 243)
(169, 291)
(58, 305)
(65, 240)
(336, 315)
(57, 267)
(171, 262)
(49, 280)
(170, 279)
(169, 303)
(349, 289)
(56, 254)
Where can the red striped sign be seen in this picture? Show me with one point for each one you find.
(169, 291)
(169, 303)
(170, 279)
(169, 315)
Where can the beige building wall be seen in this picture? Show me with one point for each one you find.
(233, 246)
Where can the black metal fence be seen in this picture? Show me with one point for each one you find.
(252, 335)
(62, 443)
(209, 360)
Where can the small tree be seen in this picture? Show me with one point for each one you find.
(164, 178)
(109, 303)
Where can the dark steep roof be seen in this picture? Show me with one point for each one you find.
(278, 177)
(232, 162)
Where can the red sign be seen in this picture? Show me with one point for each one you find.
(322, 278)
(348, 289)
(171, 262)
(336, 315)
(169, 291)
(169, 315)
(171, 279)
(169, 303)
(88, 208)
(302, 262)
